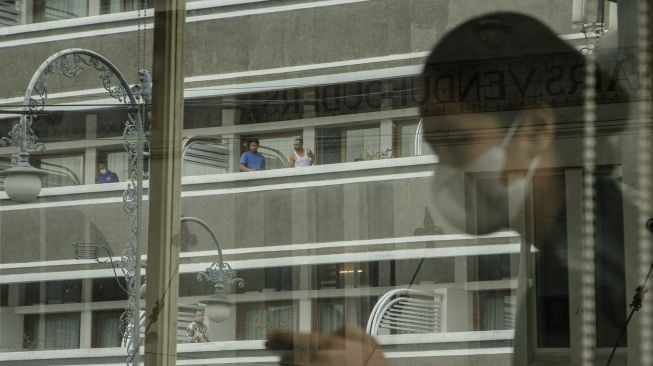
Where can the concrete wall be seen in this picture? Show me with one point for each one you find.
(268, 40)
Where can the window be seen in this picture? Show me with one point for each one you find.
(4, 295)
(279, 105)
(339, 145)
(116, 6)
(190, 286)
(108, 289)
(51, 331)
(552, 275)
(611, 301)
(495, 310)
(201, 113)
(256, 320)
(405, 141)
(63, 170)
(358, 97)
(330, 315)
(106, 329)
(55, 292)
(47, 10)
(331, 276)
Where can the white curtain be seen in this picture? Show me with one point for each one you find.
(108, 329)
(61, 331)
(498, 313)
(117, 162)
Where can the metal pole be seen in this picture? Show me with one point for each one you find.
(165, 183)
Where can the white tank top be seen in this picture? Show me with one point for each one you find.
(302, 160)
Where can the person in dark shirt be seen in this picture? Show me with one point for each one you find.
(106, 175)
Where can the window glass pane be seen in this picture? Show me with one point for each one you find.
(51, 331)
(106, 328)
(258, 319)
(549, 201)
(108, 289)
(44, 11)
(63, 170)
(611, 298)
(448, 210)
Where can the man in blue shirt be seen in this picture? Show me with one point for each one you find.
(251, 160)
(106, 175)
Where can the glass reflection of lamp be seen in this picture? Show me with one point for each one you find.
(92, 251)
(23, 181)
(218, 307)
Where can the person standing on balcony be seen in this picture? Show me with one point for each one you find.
(251, 160)
(106, 175)
(301, 156)
(197, 331)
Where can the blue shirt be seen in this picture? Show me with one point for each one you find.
(108, 177)
(253, 160)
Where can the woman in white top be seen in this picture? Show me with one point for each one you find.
(301, 156)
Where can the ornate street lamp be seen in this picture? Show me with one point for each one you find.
(23, 182)
(220, 273)
(218, 308)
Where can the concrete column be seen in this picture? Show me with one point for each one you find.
(305, 304)
(90, 154)
(11, 340)
(26, 8)
(387, 129)
(165, 179)
(310, 109)
(86, 319)
(299, 216)
(354, 209)
(386, 90)
(93, 7)
(231, 117)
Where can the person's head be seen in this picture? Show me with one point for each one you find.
(199, 315)
(495, 94)
(253, 145)
(102, 168)
(298, 144)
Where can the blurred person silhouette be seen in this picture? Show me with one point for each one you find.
(197, 331)
(503, 94)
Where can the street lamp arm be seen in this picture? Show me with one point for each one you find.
(214, 236)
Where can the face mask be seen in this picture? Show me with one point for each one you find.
(103, 171)
(450, 191)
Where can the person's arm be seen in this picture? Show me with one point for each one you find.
(311, 155)
(243, 164)
(243, 168)
(292, 160)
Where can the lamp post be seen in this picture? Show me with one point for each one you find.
(218, 308)
(220, 273)
(23, 182)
